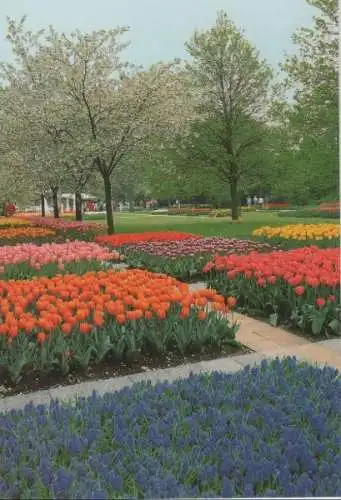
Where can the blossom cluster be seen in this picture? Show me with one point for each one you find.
(117, 240)
(48, 321)
(300, 231)
(300, 287)
(269, 431)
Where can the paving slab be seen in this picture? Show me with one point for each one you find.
(332, 344)
(71, 392)
(199, 285)
(20, 400)
(313, 353)
(252, 359)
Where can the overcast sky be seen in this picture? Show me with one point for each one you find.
(159, 28)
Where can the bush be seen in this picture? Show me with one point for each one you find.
(268, 431)
(297, 288)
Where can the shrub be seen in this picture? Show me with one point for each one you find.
(299, 288)
(68, 322)
(268, 431)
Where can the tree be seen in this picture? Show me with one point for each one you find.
(116, 106)
(313, 117)
(231, 84)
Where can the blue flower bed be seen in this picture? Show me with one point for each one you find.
(268, 431)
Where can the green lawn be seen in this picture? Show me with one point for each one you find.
(136, 222)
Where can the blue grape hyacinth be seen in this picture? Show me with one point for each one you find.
(274, 430)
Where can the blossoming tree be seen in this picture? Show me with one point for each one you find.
(109, 106)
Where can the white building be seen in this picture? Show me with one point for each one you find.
(66, 203)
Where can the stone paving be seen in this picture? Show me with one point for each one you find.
(71, 392)
(267, 342)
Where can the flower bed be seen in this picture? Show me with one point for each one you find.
(185, 259)
(268, 431)
(189, 211)
(27, 260)
(118, 240)
(68, 322)
(68, 229)
(65, 225)
(300, 232)
(12, 222)
(299, 288)
(14, 235)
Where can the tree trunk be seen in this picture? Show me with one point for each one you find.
(42, 200)
(78, 206)
(108, 204)
(55, 203)
(234, 199)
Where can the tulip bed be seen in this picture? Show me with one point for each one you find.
(270, 431)
(185, 259)
(297, 235)
(118, 240)
(299, 288)
(6, 222)
(68, 322)
(28, 260)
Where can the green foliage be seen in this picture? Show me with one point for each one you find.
(234, 88)
(311, 214)
(308, 156)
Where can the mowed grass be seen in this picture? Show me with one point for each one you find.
(203, 225)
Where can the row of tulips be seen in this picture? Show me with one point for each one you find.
(41, 230)
(118, 240)
(299, 288)
(13, 222)
(185, 259)
(324, 235)
(68, 322)
(65, 225)
(28, 260)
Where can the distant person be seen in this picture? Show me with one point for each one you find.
(249, 201)
(261, 201)
(255, 200)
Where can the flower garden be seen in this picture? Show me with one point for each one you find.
(269, 431)
(67, 310)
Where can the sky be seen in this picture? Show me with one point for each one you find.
(159, 28)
